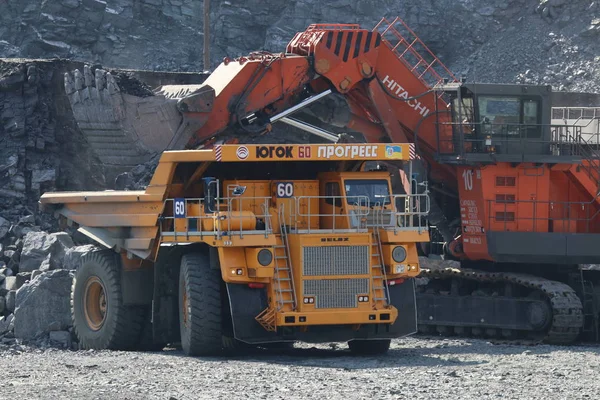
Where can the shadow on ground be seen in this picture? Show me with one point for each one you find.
(336, 358)
(444, 354)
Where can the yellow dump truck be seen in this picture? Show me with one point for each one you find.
(242, 245)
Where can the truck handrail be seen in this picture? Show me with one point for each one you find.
(234, 217)
(414, 215)
(296, 213)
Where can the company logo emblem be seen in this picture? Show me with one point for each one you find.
(275, 152)
(394, 152)
(242, 152)
(335, 239)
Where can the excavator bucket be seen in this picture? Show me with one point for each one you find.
(127, 124)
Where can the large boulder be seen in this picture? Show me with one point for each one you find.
(38, 246)
(74, 254)
(43, 305)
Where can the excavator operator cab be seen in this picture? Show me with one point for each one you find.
(495, 121)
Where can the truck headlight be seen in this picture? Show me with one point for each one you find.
(265, 257)
(399, 254)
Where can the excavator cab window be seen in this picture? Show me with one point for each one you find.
(509, 117)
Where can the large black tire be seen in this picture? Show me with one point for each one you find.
(369, 347)
(200, 306)
(100, 319)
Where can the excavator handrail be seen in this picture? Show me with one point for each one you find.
(318, 27)
(410, 47)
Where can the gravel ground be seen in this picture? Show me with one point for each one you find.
(415, 368)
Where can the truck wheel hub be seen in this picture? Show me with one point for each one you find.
(94, 303)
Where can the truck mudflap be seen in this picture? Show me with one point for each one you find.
(246, 303)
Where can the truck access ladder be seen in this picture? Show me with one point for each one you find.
(285, 294)
(380, 289)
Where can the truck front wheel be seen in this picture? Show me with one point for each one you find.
(100, 319)
(200, 306)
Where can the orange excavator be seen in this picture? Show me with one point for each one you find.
(513, 197)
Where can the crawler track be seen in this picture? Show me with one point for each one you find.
(566, 319)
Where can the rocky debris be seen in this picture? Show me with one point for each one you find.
(137, 178)
(10, 301)
(35, 284)
(42, 148)
(43, 305)
(415, 368)
(39, 247)
(73, 255)
(437, 264)
(6, 324)
(61, 338)
(128, 84)
(4, 227)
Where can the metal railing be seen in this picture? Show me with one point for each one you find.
(576, 113)
(397, 212)
(543, 216)
(231, 216)
(516, 139)
(228, 220)
(415, 211)
(359, 208)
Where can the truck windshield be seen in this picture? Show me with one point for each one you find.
(375, 190)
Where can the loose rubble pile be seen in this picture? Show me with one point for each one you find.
(36, 272)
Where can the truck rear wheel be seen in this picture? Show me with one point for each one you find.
(100, 319)
(200, 306)
(369, 347)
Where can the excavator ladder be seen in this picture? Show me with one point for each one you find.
(413, 52)
(283, 280)
(591, 160)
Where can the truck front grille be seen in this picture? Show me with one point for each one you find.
(335, 260)
(336, 293)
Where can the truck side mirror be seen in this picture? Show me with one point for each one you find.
(210, 193)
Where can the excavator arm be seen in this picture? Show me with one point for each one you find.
(379, 84)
